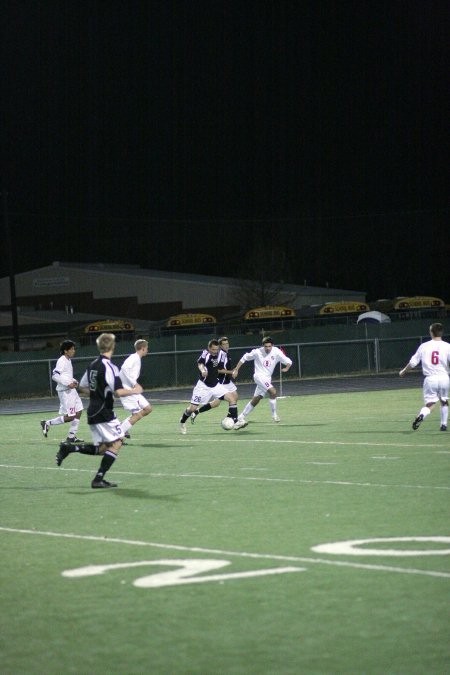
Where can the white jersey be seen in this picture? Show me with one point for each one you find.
(63, 373)
(265, 363)
(434, 356)
(130, 371)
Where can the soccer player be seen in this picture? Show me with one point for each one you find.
(70, 404)
(101, 381)
(225, 378)
(208, 386)
(129, 373)
(265, 358)
(435, 358)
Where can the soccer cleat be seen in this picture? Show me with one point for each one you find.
(183, 429)
(443, 427)
(193, 416)
(276, 418)
(102, 484)
(45, 427)
(240, 424)
(417, 422)
(65, 449)
(74, 439)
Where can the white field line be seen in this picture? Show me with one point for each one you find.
(193, 474)
(240, 436)
(242, 439)
(238, 554)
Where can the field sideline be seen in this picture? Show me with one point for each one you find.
(318, 545)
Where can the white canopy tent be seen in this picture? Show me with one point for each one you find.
(373, 317)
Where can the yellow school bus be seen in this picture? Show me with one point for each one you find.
(418, 302)
(269, 312)
(187, 320)
(108, 326)
(343, 308)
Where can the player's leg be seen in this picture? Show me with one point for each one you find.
(106, 441)
(430, 397)
(109, 452)
(73, 414)
(232, 398)
(201, 395)
(257, 397)
(273, 403)
(109, 438)
(139, 407)
(55, 421)
(443, 397)
(204, 408)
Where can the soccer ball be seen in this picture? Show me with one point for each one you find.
(227, 423)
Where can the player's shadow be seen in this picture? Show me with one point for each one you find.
(143, 494)
(284, 425)
(371, 432)
(129, 493)
(163, 446)
(37, 488)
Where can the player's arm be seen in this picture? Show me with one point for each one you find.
(131, 372)
(115, 383)
(224, 371)
(202, 368)
(412, 363)
(405, 370)
(286, 361)
(60, 377)
(83, 387)
(121, 391)
(241, 361)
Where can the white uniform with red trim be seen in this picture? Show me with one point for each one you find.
(129, 373)
(69, 401)
(434, 355)
(264, 366)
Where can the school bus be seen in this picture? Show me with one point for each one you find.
(122, 329)
(269, 312)
(418, 302)
(188, 320)
(108, 326)
(343, 307)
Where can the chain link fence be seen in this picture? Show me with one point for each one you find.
(170, 369)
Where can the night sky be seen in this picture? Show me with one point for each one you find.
(306, 140)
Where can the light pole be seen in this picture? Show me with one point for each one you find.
(12, 283)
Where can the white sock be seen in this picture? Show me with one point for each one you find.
(444, 415)
(126, 425)
(56, 420)
(273, 405)
(247, 410)
(425, 411)
(74, 427)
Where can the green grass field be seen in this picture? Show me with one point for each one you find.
(202, 560)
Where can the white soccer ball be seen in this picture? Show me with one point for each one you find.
(227, 423)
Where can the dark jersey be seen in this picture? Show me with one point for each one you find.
(212, 363)
(224, 378)
(102, 379)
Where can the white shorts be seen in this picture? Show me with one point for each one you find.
(230, 387)
(134, 403)
(69, 402)
(262, 386)
(106, 432)
(435, 388)
(203, 394)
